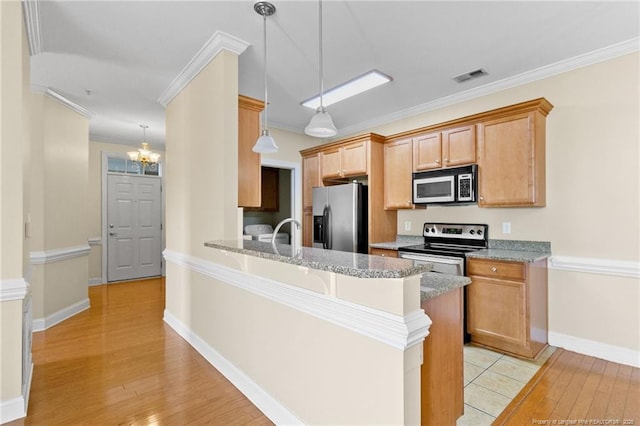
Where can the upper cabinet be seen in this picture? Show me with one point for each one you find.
(511, 156)
(344, 161)
(446, 148)
(397, 174)
(249, 171)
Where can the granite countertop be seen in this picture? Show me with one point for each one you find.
(514, 250)
(433, 284)
(511, 250)
(401, 241)
(340, 262)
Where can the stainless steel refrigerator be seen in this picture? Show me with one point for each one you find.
(340, 217)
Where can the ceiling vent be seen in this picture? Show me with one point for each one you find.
(468, 76)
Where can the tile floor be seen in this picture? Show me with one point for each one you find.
(491, 381)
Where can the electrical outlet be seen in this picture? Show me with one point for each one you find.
(407, 225)
(506, 227)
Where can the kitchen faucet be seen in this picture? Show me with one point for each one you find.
(293, 234)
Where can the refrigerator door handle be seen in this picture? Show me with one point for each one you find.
(326, 243)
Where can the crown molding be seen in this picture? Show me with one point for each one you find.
(69, 104)
(31, 11)
(570, 64)
(217, 43)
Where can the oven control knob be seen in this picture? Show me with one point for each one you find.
(479, 231)
(433, 229)
(472, 232)
(426, 230)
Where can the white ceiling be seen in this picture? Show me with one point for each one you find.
(128, 52)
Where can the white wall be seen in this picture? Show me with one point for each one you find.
(593, 200)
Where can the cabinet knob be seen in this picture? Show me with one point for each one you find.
(383, 255)
(446, 160)
(437, 161)
(408, 203)
(494, 269)
(482, 198)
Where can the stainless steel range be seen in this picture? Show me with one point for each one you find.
(445, 245)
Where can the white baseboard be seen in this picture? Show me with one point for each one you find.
(41, 324)
(271, 408)
(96, 281)
(12, 409)
(596, 349)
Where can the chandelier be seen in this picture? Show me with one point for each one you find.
(144, 156)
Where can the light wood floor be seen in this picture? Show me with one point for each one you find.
(118, 363)
(577, 389)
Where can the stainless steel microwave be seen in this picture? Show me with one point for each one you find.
(455, 185)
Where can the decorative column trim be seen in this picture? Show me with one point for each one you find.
(399, 332)
(14, 289)
(217, 43)
(56, 255)
(620, 268)
(68, 103)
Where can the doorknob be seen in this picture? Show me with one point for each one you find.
(111, 225)
(113, 234)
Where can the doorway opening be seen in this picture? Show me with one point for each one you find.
(281, 199)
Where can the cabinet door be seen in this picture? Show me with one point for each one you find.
(310, 178)
(270, 189)
(427, 152)
(354, 159)
(496, 312)
(397, 174)
(330, 163)
(249, 172)
(307, 227)
(459, 146)
(511, 164)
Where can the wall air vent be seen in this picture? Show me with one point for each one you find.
(468, 76)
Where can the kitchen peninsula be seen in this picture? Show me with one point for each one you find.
(339, 338)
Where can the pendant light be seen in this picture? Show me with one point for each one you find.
(265, 143)
(321, 125)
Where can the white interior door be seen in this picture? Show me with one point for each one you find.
(134, 220)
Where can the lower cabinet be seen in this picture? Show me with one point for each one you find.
(384, 252)
(442, 372)
(507, 305)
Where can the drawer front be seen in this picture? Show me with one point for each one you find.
(496, 269)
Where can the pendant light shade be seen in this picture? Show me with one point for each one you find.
(265, 143)
(321, 124)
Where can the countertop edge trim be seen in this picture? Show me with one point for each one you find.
(399, 332)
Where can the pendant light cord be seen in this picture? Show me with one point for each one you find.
(320, 50)
(266, 99)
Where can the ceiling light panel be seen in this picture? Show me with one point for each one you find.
(367, 81)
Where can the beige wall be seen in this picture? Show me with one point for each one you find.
(59, 196)
(202, 160)
(593, 196)
(12, 75)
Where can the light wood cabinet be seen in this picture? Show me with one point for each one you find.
(398, 175)
(442, 372)
(383, 252)
(310, 179)
(511, 158)
(344, 161)
(447, 148)
(249, 170)
(507, 305)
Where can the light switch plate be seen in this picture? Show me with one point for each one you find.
(506, 227)
(407, 225)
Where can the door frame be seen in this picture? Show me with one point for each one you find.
(104, 225)
(296, 190)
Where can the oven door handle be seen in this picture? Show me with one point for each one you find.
(444, 260)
